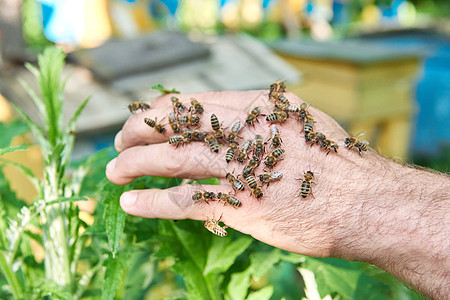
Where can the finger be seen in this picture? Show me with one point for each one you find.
(137, 132)
(194, 160)
(176, 203)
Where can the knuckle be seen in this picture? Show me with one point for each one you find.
(175, 159)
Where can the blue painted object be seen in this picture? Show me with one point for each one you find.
(432, 123)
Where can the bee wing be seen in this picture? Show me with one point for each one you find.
(276, 175)
(172, 117)
(197, 185)
(360, 134)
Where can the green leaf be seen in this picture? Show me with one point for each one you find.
(12, 149)
(115, 268)
(350, 280)
(263, 294)
(223, 252)
(11, 130)
(53, 291)
(262, 262)
(114, 217)
(238, 286)
(34, 96)
(10, 275)
(163, 90)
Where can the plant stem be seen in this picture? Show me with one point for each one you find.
(13, 281)
(57, 263)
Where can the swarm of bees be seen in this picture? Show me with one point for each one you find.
(184, 123)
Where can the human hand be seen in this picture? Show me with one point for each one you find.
(312, 225)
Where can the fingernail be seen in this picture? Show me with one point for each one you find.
(111, 166)
(128, 199)
(118, 141)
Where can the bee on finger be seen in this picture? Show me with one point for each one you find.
(211, 141)
(275, 136)
(310, 137)
(234, 131)
(217, 127)
(308, 125)
(229, 199)
(243, 153)
(214, 227)
(173, 123)
(283, 100)
(250, 167)
(260, 147)
(178, 139)
(135, 106)
(307, 180)
(268, 177)
(256, 190)
(353, 142)
(252, 117)
(277, 117)
(319, 138)
(198, 135)
(196, 106)
(177, 105)
(276, 88)
(329, 145)
(154, 124)
(273, 158)
(235, 182)
(231, 152)
(190, 120)
(303, 112)
(203, 195)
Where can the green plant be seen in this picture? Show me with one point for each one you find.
(116, 256)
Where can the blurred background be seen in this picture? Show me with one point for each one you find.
(377, 66)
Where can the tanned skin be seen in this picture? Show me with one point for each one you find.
(361, 208)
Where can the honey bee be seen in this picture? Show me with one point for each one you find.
(235, 182)
(217, 127)
(203, 195)
(230, 199)
(305, 189)
(273, 158)
(275, 136)
(329, 145)
(178, 139)
(188, 120)
(353, 142)
(303, 113)
(268, 177)
(177, 105)
(256, 190)
(198, 135)
(135, 106)
(243, 154)
(214, 227)
(196, 106)
(251, 165)
(211, 141)
(277, 116)
(173, 123)
(234, 148)
(283, 100)
(276, 88)
(290, 108)
(319, 138)
(310, 137)
(154, 124)
(259, 146)
(234, 131)
(308, 125)
(253, 116)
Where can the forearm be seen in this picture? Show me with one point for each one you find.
(404, 226)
